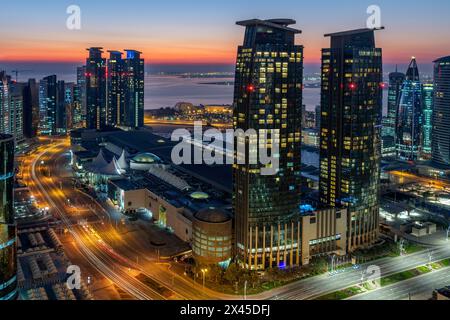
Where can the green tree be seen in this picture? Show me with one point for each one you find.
(232, 274)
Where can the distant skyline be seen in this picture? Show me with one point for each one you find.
(204, 32)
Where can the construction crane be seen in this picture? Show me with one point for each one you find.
(19, 71)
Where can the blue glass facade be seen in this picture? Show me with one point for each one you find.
(8, 263)
(409, 117)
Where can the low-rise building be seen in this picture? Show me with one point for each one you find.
(423, 229)
(323, 232)
(212, 236)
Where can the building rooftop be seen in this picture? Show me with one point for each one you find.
(352, 32)
(212, 215)
(281, 24)
(443, 59)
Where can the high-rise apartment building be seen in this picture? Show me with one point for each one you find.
(116, 88)
(48, 88)
(351, 107)
(96, 90)
(8, 232)
(134, 90)
(427, 120)
(31, 108)
(268, 98)
(441, 112)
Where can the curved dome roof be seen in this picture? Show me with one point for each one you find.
(212, 216)
(199, 195)
(146, 158)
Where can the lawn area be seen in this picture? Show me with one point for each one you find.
(402, 276)
(342, 294)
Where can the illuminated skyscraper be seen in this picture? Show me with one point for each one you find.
(350, 131)
(8, 232)
(4, 102)
(11, 107)
(409, 116)
(48, 104)
(396, 80)
(116, 88)
(268, 96)
(134, 90)
(96, 90)
(80, 94)
(31, 108)
(441, 112)
(427, 120)
(61, 112)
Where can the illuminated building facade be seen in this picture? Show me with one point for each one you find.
(409, 116)
(47, 105)
(8, 233)
(134, 90)
(80, 94)
(441, 112)
(396, 80)
(268, 96)
(427, 120)
(351, 106)
(96, 87)
(116, 88)
(16, 112)
(61, 103)
(31, 108)
(11, 107)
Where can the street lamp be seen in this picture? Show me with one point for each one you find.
(245, 290)
(204, 271)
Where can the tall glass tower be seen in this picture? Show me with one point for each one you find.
(427, 120)
(48, 105)
(8, 232)
(116, 88)
(409, 116)
(134, 92)
(96, 90)
(441, 114)
(350, 147)
(396, 80)
(268, 96)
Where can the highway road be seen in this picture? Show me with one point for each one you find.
(423, 285)
(94, 250)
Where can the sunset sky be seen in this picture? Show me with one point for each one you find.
(199, 31)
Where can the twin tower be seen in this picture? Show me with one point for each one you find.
(268, 96)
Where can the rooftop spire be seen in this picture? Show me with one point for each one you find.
(413, 71)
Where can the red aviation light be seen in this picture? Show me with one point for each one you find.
(352, 86)
(382, 85)
(251, 88)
